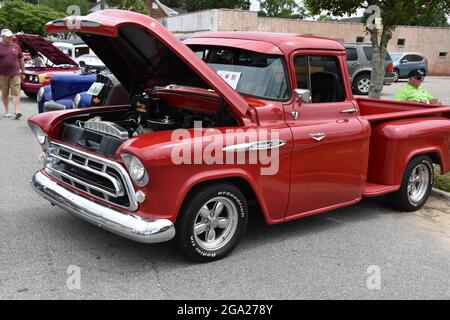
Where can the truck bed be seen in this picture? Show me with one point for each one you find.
(377, 110)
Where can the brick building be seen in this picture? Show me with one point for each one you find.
(433, 42)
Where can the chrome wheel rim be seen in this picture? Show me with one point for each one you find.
(396, 76)
(418, 183)
(215, 223)
(364, 85)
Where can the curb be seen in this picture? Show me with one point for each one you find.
(440, 193)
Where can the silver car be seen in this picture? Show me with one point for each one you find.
(405, 62)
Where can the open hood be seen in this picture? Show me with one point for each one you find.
(140, 52)
(33, 42)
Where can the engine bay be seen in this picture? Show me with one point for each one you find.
(103, 132)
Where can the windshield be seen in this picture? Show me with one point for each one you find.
(250, 73)
(396, 56)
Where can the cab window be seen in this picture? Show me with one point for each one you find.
(321, 76)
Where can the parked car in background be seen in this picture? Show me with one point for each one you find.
(74, 48)
(73, 92)
(404, 62)
(90, 60)
(359, 64)
(52, 61)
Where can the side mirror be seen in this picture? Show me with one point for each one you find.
(303, 95)
(82, 64)
(404, 61)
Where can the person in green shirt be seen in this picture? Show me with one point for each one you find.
(413, 91)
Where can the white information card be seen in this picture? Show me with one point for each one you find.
(231, 77)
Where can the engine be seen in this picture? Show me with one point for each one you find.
(104, 132)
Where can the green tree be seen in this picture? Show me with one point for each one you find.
(131, 5)
(325, 17)
(20, 16)
(174, 3)
(279, 8)
(196, 5)
(63, 5)
(392, 13)
(435, 17)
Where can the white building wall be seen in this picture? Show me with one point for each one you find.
(200, 21)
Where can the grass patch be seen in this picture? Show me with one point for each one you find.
(441, 182)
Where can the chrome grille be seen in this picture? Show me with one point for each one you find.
(99, 177)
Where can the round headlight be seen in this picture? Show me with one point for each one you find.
(40, 94)
(76, 101)
(40, 135)
(137, 170)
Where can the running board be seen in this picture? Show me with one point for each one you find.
(374, 190)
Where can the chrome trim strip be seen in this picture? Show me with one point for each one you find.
(129, 226)
(124, 174)
(258, 145)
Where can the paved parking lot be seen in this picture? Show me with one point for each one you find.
(332, 255)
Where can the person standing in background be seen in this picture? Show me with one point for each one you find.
(12, 71)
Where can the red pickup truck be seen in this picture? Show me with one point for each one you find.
(224, 119)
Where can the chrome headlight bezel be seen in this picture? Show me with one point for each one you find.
(41, 136)
(40, 94)
(136, 169)
(76, 101)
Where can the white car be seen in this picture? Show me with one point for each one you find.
(90, 60)
(73, 49)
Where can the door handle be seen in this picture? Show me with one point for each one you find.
(349, 110)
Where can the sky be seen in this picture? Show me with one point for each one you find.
(254, 5)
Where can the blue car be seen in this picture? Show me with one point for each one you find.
(71, 92)
(404, 62)
(65, 92)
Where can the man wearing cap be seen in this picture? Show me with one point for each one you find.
(413, 91)
(12, 69)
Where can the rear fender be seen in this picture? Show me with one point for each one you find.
(394, 144)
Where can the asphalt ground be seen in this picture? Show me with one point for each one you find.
(366, 251)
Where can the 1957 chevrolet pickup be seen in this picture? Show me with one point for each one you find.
(222, 119)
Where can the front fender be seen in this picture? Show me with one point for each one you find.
(170, 181)
(47, 96)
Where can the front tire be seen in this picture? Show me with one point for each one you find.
(416, 185)
(212, 222)
(396, 75)
(29, 94)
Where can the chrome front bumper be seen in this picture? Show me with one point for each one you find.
(126, 225)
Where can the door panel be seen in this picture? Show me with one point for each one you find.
(328, 171)
(329, 141)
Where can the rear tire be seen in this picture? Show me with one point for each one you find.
(361, 85)
(416, 185)
(212, 222)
